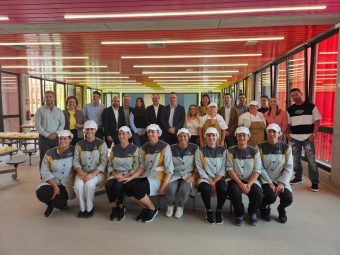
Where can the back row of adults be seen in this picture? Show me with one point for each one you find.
(300, 125)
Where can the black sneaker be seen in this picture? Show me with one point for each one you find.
(114, 213)
(81, 214)
(49, 211)
(296, 181)
(282, 215)
(315, 187)
(209, 215)
(265, 213)
(121, 213)
(141, 215)
(219, 217)
(150, 215)
(89, 214)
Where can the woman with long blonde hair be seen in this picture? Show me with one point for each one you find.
(192, 123)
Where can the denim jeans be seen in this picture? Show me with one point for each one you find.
(310, 156)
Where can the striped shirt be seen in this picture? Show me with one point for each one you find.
(301, 119)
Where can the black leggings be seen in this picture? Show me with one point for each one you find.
(286, 197)
(115, 191)
(221, 193)
(137, 188)
(45, 192)
(255, 196)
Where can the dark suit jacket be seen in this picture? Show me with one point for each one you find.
(109, 121)
(151, 117)
(233, 118)
(179, 117)
(128, 121)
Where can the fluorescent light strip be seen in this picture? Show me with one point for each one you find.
(202, 80)
(330, 69)
(31, 67)
(194, 13)
(191, 72)
(322, 79)
(185, 83)
(194, 41)
(85, 73)
(57, 58)
(327, 53)
(190, 77)
(327, 74)
(194, 56)
(90, 77)
(178, 66)
(3, 18)
(326, 63)
(298, 59)
(28, 43)
(301, 64)
(112, 83)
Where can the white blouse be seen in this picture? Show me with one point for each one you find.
(192, 126)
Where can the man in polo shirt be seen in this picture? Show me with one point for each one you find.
(304, 121)
(48, 120)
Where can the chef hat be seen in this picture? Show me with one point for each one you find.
(65, 133)
(254, 103)
(184, 130)
(274, 127)
(90, 124)
(242, 130)
(212, 130)
(212, 105)
(154, 127)
(127, 130)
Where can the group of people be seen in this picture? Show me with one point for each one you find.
(159, 151)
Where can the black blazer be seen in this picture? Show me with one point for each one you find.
(128, 121)
(109, 121)
(151, 117)
(179, 117)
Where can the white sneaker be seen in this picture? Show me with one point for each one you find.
(179, 212)
(169, 211)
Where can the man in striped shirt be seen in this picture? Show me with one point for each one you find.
(304, 121)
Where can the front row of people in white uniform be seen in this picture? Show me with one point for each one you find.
(262, 173)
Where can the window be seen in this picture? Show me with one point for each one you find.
(281, 85)
(34, 94)
(296, 67)
(266, 82)
(48, 86)
(79, 96)
(258, 85)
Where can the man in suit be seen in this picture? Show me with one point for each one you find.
(126, 110)
(154, 111)
(173, 117)
(230, 115)
(113, 119)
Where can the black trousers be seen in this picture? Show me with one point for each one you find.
(235, 195)
(221, 193)
(169, 138)
(230, 140)
(115, 191)
(45, 192)
(75, 138)
(115, 141)
(100, 133)
(45, 145)
(286, 197)
(137, 188)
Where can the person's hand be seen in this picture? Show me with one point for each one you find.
(109, 138)
(79, 126)
(272, 187)
(227, 133)
(311, 138)
(140, 133)
(119, 177)
(213, 187)
(244, 187)
(162, 190)
(127, 179)
(52, 136)
(289, 138)
(172, 130)
(88, 177)
(56, 191)
(190, 179)
(222, 143)
(280, 188)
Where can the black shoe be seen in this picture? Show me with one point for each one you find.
(265, 214)
(282, 215)
(219, 217)
(121, 213)
(296, 181)
(89, 214)
(81, 214)
(209, 215)
(49, 211)
(114, 213)
(150, 215)
(142, 214)
(315, 187)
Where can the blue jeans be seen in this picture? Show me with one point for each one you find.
(310, 156)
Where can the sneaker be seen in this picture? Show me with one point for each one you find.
(253, 219)
(265, 214)
(114, 212)
(209, 214)
(179, 212)
(219, 217)
(121, 213)
(49, 211)
(296, 181)
(282, 215)
(315, 187)
(89, 214)
(141, 215)
(239, 220)
(169, 211)
(81, 214)
(150, 215)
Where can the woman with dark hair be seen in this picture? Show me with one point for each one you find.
(203, 108)
(278, 116)
(74, 119)
(138, 122)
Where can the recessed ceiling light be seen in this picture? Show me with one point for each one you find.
(189, 80)
(89, 77)
(178, 66)
(57, 58)
(32, 67)
(327, 63)
(195, 56)
(273, 38)
(191, 83)
(194, 13)
(85, 73)
(190, 77)
(325, 70)
(29, 43)
(297, 59)
(330, 52)
(191, 72)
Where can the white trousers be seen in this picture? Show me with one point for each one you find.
(85, 191)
